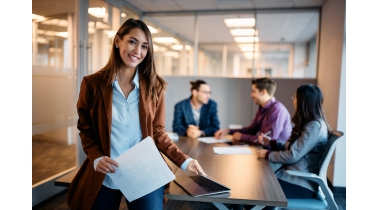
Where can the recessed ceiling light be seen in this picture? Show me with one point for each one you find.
(38, 17)
(172, 54)
(97, 11)
(244, 39)
(123, 15)
(63, 34)
(177, 47)
(111, 34)
(243, 32)
(165, 40)
(240, 22)
(152, 30)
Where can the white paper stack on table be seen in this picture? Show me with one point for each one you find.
(211, 140)
(231, 150)
(141, 170)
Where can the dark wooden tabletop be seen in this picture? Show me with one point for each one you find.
(251, 179)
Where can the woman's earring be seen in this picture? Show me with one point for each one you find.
(117, 46)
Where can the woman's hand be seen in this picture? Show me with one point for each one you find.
(261, 153)
(105, 165)
(263, 140)
(195, 168)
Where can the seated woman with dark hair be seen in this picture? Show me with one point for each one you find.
(304, 148)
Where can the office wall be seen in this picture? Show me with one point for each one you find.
(331, 79)
(235, 105)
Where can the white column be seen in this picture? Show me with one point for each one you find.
(116, 19)
(168, 65)
(34, 41)
(196, 34)
(69, 44)
(290, 64)
(236, 66)
(182, 61)
(224, 61)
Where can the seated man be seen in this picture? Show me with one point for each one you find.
(272, 118)
(197, 115)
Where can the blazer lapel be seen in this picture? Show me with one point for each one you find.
(188, 113)
(143, 107)
(107, 100)
(202, 116)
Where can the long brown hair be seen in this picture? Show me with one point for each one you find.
(309, 108)
(146, 68)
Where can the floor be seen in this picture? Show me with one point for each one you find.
(50, 156)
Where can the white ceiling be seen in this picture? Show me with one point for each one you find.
(279, 22)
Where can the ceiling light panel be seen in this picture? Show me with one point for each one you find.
(165, 40)
(240, 22)
(243, 32)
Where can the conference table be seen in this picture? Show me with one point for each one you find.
(251, 179)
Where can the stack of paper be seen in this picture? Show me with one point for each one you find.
(231, 150)
(211, 140)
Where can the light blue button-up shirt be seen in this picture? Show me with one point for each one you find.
(125, 128)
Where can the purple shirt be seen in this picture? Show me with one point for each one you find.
(273, 117)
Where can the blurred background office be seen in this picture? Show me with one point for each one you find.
(224, 42)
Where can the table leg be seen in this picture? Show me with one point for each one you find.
(220, 206)
(257, 208)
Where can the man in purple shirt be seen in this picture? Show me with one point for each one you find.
(272, 118)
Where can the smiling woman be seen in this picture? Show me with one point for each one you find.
(119, 106)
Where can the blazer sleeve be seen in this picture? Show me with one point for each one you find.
(178, 121)
(307, 141)
(163, 142)
(86, 129)
(214, 121)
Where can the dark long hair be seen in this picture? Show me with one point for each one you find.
(146, 68)
(309, 108)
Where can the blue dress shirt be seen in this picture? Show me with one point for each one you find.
(125, 128)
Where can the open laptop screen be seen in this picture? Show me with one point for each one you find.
(199, 185)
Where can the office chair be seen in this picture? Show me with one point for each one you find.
(324, 198)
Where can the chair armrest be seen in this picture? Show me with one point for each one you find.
(320, 182)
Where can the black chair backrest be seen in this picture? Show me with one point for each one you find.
(334, 135)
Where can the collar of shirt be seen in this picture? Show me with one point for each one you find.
(135, 80)
(268, 104)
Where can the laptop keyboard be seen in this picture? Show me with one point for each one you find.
(207, 184)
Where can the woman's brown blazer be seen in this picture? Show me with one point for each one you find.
(94, 108)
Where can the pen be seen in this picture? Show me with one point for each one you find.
(265, 135)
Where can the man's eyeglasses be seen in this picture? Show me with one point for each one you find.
(205, 92)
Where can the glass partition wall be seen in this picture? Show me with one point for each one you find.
(54, 78)
(279, 44)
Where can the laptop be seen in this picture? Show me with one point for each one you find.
(199, 185)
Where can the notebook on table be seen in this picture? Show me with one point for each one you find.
(199, 185)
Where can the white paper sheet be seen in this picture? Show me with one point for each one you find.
(211, 140)
(141, 170)
(231, 150)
